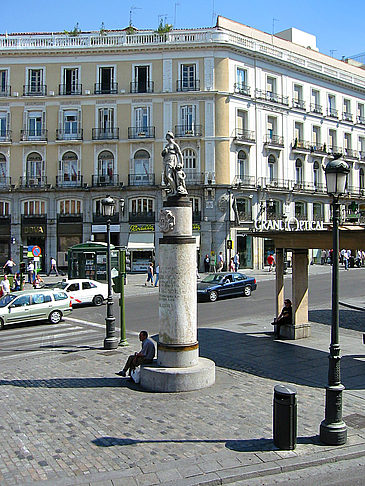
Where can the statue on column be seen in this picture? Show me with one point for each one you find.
(174, 176)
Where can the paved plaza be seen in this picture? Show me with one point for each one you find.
(67, 419)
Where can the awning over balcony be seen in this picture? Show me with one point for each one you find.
(141, 241)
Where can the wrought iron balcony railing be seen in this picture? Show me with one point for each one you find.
(361, 120)
(193, 177)
(275, 140)
(100, 218)
(105, 133)
(142, 217)
(70, 218)
(271, 96)
(5, 135)
(31, 135)
(242, 135)
(105, 88)
(242, 89)
(33, 181)
(317, 148)
(244, 216)
(5, 182)
(141, 179)
(142, 87)
(62, 134)
(188, 85)
(244, 181)
(69, 180)
(274, 183)
(188, 131)
(66, 89)
(300, 145)
(362, 155)
(314, 108)
(332, 112)
(141, 132)
(350, 153)
(333, 149)
(105, 180)
(5, 90)
(346, 116)
(299, 104)
(35, 90)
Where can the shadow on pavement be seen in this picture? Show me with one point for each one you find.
(72, 383)
(349, 319)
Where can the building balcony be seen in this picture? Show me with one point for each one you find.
(34, 135)
(362, 155)
(301, 146)
(142, 217)
(5, 90)
(105, 133)
(141, 132)
(105, 88)
(317, 109)
(346, 116)
(275, 141)
(142, 87)
(105, 180)
(69, 90)
(298, 104)
(274, 183)
(69, 180)
(301, 216)
(188, 131)
(242, 89)
(70, 218)
(361, 120)
(34, 218)
(333, 149)
(244, 181)
(244, 216)
(301, 186)
(318, 148)
(38, 90)
(350, 153)
(188, 85)
(193, 177)
(100, 218)
(33, 182)
(273, 97)
(5, 136)
(244, 136)
(141, 179)
(5, 183)
(332, 113)
(272, 215)
(62, 134)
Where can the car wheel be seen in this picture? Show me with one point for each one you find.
(213, 296)
(98, 300)
(1, 324)
(247, 291)
(55, 317)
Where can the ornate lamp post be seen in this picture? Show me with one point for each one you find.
(110, 341)
(333, 429)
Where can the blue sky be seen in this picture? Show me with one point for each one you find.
(338, 25)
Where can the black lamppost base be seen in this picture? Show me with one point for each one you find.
(111, 343)
(333, 434)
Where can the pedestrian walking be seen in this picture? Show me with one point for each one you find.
(149, 274)
(5, 285)
(157, 275)
(323, 257)
(232, 265)
(270, 261)
(220, 262)
(206, 263)
(9, 265)
(16, 283)
(345, 259)
(53, 267)
(38, 282)
(145, 356)
(236, 260)
(30, 270)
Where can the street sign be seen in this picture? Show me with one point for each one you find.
(36, 251)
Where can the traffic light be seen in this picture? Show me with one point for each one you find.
(117, 284)
(22, 267)
(229, 244)
(127, 261)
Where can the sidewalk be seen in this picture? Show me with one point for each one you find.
(66, 419)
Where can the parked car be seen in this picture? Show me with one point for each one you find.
(229, 284)
(83, 290)
(34, 305)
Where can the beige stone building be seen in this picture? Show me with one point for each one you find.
(255, 115)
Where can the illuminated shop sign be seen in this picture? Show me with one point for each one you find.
(290, 224)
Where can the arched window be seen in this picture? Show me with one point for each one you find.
(361, 179)
(243, 206)
(70, 206)
(300, 210)
(242, 164)
(3, 170)
(317, 211)
(142, 210)
(69, 170)
(316, 174)
(271, 164)
(141, 174)
(35, 170)
(298, 171)
(34, 207)
(4, 208)
(106, 170)
(273, 209)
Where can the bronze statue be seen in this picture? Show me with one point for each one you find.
(174, 176)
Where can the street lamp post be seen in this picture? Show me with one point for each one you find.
(333, 429)
(110, 341)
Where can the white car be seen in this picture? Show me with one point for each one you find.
(83, 290)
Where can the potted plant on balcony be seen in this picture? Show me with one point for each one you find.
(75, 32)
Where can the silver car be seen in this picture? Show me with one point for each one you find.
(34, 305)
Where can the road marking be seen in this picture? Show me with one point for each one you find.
(31, 331)
(96, 324)
(43, 338)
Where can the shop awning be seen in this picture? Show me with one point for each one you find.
(141, 241)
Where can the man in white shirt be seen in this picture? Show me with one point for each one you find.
(30, 270)
(5, 285)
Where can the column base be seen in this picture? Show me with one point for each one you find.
(172, 380)
(298, 331)
(111, 343)
(333, 434)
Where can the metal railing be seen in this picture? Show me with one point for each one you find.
(346, 116)
(314, 108)
(5, 182)
(188, 131)
(188, 85)
(299, 104)
(332, 112)
(67, 180)
(101, 88)
(333, 149)
(244, 181)
(141, 132)
(193, 177)
(105, 180)
(361, 155)
(33, 181)
(319, 148)
(361, 120)
(100, 218)
(30, 135)
(5, 90)
(276, 140)
(67, 89)
(62, 134)
(142, 87)
(244, 216)
(271, 96)
(141, 179)
(35, 90)
(300, 145)
(70, 218)
(242, 89)
(105, 133)
(142, 217)
(274, 183)
(5, 135)
(350, 153)
(244, 135)
(308, 186)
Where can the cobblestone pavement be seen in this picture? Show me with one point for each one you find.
(66, 419)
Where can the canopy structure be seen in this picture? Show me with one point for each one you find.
(141, 241)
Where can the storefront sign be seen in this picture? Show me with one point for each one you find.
(291, 224)
(101, 228)
(196, 227)
(34, 230)
(133, 228)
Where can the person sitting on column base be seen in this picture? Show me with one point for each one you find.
(284, 318)
(145, 356)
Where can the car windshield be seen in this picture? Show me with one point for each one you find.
(212, 278)
(4, 301)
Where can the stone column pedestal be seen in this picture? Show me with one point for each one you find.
(178, 366)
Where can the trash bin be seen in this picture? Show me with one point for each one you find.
(285, 417)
